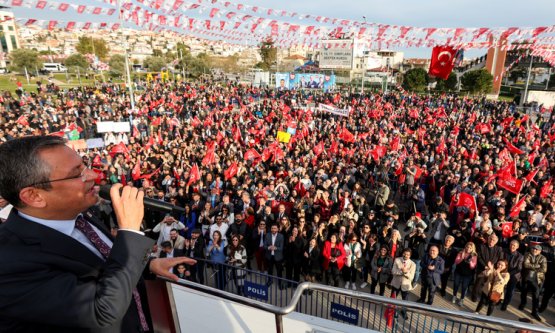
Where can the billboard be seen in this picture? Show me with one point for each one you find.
(286, 81)
(336, 54)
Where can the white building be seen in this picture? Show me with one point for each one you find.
(8, 37)
(349, 55)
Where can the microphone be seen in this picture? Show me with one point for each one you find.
(152, 204)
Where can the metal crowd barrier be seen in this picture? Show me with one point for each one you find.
(255, 285)
(352, 307)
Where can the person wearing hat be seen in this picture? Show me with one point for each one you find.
(194, 248)
(535, 267)
(548, 252)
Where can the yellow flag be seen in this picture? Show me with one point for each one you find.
(283, 137)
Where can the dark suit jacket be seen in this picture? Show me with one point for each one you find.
(435, 275)
(279, 243)
(515, 264)
(52, 283)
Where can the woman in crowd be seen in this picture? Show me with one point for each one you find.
(369, 246)
(494, 287)
(353, 255)
(333, 259)
(394, 245)
(465, 266)
(237, 257)
(312, 266)
(293, 255)
(381, 270)
(217, 255)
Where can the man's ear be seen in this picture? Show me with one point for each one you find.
(32, 197)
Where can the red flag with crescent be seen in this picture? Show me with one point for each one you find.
(507, 230)
(442, 62)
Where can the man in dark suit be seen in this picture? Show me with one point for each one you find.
(515, 260)
(61, 270)
(168, 251)
(273, 244)
(432, 268)
(194, 248)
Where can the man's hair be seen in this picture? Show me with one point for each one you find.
(21, 165)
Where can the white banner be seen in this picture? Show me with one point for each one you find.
(336, 54)
(112, 126)
(333, 110)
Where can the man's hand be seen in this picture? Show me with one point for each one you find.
(128, 206)
(161, 266)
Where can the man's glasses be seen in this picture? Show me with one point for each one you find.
(82, 176)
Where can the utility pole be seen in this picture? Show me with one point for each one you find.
(182, 63)
(525, 96)
(126, 55)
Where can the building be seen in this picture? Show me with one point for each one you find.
(8, 37)
(349, 59)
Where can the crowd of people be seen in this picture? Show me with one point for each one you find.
(407, 190)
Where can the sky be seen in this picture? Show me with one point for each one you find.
(417, 13)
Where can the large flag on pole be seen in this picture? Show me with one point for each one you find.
(442, 62)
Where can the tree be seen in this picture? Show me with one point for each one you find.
(447, 85)
(194, 66)
(24, 58)
(478, 81)
(76, 60)
(154, 64)
(117, 64)
(85, 46)
(415, 79)
(268, 52)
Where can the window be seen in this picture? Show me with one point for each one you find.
(14, 42)
(10, 27)
(4, 43)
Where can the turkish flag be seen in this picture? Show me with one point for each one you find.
(194, 176)
(507, 229)
(442, 62)
(515, 211)
(511, 184)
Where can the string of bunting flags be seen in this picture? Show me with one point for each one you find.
(239, 23)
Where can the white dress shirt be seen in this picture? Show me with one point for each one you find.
(67, 227)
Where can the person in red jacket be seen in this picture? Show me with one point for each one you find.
(334, 259)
